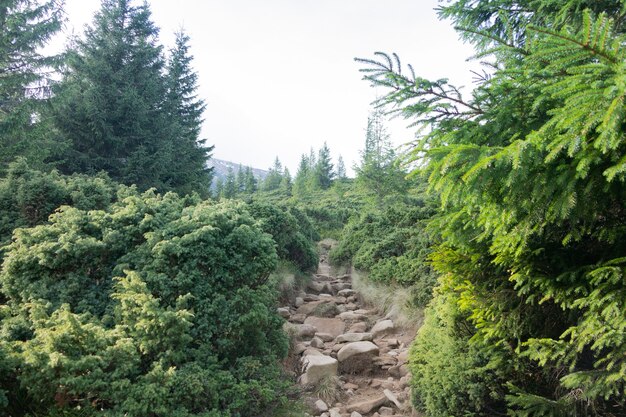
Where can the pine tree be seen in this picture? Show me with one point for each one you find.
(341, 169)
(241, 180)
(250, 183)
(26, 26)
(302, 179)
(112, 103)
(274, 176)
(230, 185)
(378, 174)
(285, 184)
(324, 168)
(190, 154)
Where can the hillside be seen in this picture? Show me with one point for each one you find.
(220, 169)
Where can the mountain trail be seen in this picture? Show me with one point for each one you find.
(350, 359)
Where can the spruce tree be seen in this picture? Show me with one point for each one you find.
(274, 176)
(301, 181)
(190, 153)
(341, 169)
(113, 105)
(250, 181)
(26, 26)
(379, 174)
(530, 171)
(324, 168)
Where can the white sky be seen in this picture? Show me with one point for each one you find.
(278, 76)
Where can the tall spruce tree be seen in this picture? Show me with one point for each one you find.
(530, 169)
(119, 111)
(324, 168)
(25, 27)
(379, 174)
(185, 109)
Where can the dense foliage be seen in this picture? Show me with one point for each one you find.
(157, 305)
(392, 244)
(530, 170)
(125, 110)
(26, 26)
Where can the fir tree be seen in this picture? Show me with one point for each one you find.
(185, 110)
(324, 168)
(302, 179)
(26, 26)
(251, 183)
(274, 176)
(286, 184)
(230, 185)
(341, 169)
(112, 105)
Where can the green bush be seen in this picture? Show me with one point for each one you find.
(452, 377)
(292, 233)
(156, 306)
(392, 245)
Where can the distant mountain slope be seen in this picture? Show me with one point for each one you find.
(220, 169)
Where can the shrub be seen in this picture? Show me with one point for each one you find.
(156, 306)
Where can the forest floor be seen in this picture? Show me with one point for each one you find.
(349, 357)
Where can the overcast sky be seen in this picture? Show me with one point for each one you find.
(279, 76)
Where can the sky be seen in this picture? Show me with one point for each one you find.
(279, 76)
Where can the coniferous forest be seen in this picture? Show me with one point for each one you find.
(134, 284)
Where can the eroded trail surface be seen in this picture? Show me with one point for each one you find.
(351, 358)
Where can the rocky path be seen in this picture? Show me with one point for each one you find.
(350, 360)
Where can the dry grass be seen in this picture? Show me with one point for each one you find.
(392, 301)
(328, 389)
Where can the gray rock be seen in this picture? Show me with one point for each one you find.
(385, 411)
(353, 337)
(352, 316)
(326, 337)
(305, 331)
(283, 312)
(334, 412)
(321, 406)
(391, 397)
(299, 301)
(316, 342)
(317, 367)
(365, 407)
(357, 348)
(382, 328)
(355, 414)
(347, 292)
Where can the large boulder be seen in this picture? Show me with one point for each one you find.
(382, 328)
(316, 368)
(305, 331)
(357, 357)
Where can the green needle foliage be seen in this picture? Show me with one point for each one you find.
(154, 306)
(530, 172)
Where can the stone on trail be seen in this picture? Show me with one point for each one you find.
(316, 286)
(334, 412)
(356, 414)
(321, 406)
(332, 326)
(385, 411)
(360, 327)
(352, 316)
(326, 337)
(364, 407)
(346, 292)
(299, 301)
(317, 367)
(297, 318)
(391, 397)
(305, 331)
(382, 328)
(310, 297)
(357, 356)
(283, 312)
(353, 337)
(316, 342)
